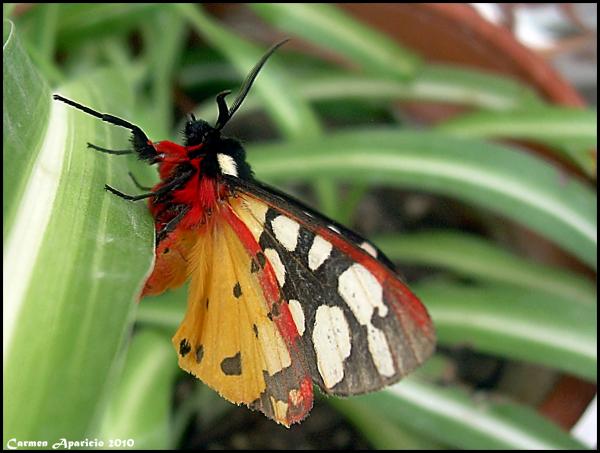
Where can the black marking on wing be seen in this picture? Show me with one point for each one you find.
(232, 366)
(199, 353)
(237, 290)
(184, 347)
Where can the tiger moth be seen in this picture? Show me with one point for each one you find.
(280, 297)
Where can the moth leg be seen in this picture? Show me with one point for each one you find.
(109, 151)
(171, 224)
(169, 186)
(136, 182)
(124, 196)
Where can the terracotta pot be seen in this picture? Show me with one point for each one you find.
(456, 33)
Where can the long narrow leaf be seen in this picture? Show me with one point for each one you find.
(477, 258)
(570, 132)
(79, 22)
(491, 176)
(330, 27)
(432, 84)
(451, 416)
(510, 322)
(549, 124)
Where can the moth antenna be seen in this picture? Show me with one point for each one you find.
(224, 114)
(103, 116)
(223, 109)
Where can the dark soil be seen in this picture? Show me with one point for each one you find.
(242, 429)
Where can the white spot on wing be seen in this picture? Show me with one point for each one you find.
(277, 265)
(331, 340)
(227, 164)
(380, 351)
(286, 231)
(297, 315)
(318, 253)
(363, 293)
(369, 249)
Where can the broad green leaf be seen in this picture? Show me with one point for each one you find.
(491, 176)
(450, 416)
(330, 27)
(510, 322)
(140, 404)
(25, 107)
(477, 258)
(74, 261)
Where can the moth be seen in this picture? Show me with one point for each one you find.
(280, 297)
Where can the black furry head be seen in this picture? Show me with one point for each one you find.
(199, 131)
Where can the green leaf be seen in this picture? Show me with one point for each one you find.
(140, 404)
(432, 84)
(491, 176)
(548, 124)
(513, 323)
(571, 132)
(74, 260)
(80, 22)
(382, 432)
(451, 416)
(165, 311)
(442, 84)
(8, 9)
(26, 102)
(330, 27)
(162, 54)
(477, 258)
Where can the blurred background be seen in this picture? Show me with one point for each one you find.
(460, 138)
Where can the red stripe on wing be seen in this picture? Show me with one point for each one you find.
(299, 400)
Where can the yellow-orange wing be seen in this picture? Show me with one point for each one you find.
(238, 335)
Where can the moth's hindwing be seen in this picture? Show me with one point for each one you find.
(238, 335)
(361, 328)
(171, 265)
